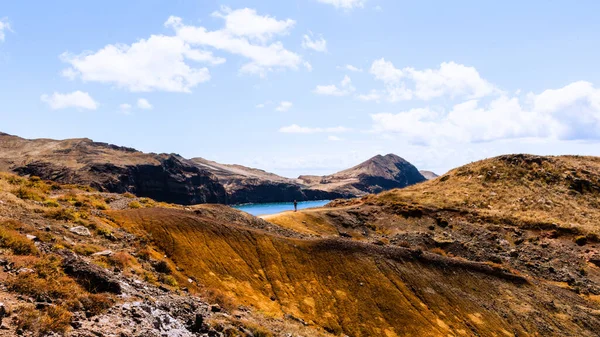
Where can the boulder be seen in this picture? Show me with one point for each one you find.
(93, 278)
(80, 230)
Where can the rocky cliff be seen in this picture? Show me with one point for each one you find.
(172, 178)
(163, 177)
(377, 174)
(250, 185)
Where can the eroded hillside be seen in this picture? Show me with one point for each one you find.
(476, 252)
(361, 289)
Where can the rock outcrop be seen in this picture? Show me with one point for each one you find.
(172, 178)
(249, 185)
(377, 174)
(163, 177)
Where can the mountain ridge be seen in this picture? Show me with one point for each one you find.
(172, 178)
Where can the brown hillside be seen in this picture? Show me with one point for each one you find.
(561, 192)
(359, 289)
(111, 168)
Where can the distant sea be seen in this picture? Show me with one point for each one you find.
(278, 207)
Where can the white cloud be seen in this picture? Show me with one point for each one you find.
(319, 45)
(240, 38)
(345, 4)
(246, 22)
(76, 99)
(164, 63)
(352, 68)
(284, 106)
(578, 92)
(450, 79)
(385, 71)
(294, 128)
(125, 108)
(156, 63)
(334, 138)
(143, 103)
(344, 89)
(4, 26)
(568, 113)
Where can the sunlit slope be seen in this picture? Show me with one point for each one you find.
(563, 190)
(359, 289)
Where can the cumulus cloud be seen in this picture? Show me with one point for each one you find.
(246, 22)
(143, 103)
(4, 27)
(319, 45)
(170, 63)
(76, 99)
(344, 89)
(295, 128)
(385, 71)
(334, 138)
(450, 79)
(568, 113)
(246, 34)
(284, 106)
(345, 4)
(157, 63)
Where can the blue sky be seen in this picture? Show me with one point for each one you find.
(306, 86)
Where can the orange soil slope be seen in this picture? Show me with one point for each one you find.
(359, 289)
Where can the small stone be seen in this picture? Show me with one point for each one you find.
(80, 230)
(215, 308)
(107, 252)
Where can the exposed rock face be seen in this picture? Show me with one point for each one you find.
(90, 276)
(244, 184)
(171, 178)
(163, 177)
(377, 174)
(249, 185)
(428, 174)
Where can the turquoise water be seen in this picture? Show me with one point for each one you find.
(278, 207)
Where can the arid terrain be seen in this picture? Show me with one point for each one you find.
(502, 247)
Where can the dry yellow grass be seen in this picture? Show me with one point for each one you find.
(562, 190)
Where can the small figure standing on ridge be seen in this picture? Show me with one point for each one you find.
(295, 206)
